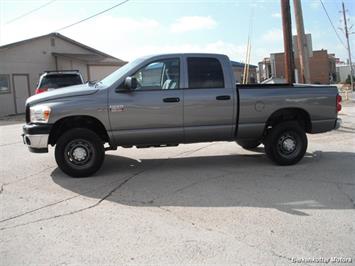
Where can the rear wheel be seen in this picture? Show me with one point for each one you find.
(248, 144)
(79, 152)
(286, 143)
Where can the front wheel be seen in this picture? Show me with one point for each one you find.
(79, 152)
(286, 143)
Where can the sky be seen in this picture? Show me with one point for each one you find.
(141, 27)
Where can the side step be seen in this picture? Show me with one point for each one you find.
(156, 146)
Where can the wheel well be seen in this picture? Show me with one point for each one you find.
(289, 114)
(71, 122)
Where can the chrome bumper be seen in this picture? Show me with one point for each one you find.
(36, 143)
(36, 137)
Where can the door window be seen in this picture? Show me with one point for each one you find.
(205, 72)
(159, 75)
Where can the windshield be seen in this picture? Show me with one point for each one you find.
(112, 78)
(55, 81)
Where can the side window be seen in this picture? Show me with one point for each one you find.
(205, 72)
(4, 84)
(159, 75)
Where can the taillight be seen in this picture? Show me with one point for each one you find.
(40, 90)
(338, 103)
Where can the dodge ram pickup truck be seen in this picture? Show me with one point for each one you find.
(165, 100)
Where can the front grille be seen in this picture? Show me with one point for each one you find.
(27, 113)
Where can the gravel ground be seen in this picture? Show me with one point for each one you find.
(206, 203)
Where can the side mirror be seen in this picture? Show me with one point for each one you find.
(130, 83)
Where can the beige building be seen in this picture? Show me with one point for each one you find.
(22, 63)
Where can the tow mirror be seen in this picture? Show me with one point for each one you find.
(130, 83)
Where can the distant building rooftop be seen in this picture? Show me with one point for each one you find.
(238, 64)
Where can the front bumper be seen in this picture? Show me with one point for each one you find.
(36, 136)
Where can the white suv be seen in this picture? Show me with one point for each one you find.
(51, 80)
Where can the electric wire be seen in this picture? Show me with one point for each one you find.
(92, 16)
(29, 12)
(331, 22)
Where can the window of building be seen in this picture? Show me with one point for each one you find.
(52, 42)
(159, 75)
(205, 72)
(5, 84)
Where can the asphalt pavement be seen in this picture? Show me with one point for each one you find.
(205, 203)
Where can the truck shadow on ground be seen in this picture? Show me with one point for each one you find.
(322, 180)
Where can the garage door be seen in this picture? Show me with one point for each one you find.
(21, 91)
(99, 72)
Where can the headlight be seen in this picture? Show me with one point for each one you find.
(40, 114)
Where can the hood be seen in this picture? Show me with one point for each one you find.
(77, 90)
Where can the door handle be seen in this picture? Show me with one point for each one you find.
(223, 98)
(171, 100)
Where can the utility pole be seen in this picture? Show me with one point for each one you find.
(304, 76)
(348, 46)
(287, 34)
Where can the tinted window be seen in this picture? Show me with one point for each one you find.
(60, 80)
(158, 75)
(205, 73)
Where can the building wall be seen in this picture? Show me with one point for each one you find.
(264, 69)
(238, 74)
(322, 67)
(64, 63)
(343, 71)
(33, 58)
(99, 72)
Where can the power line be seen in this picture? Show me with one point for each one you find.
(92, 16)
(29, 12)
(331, 22)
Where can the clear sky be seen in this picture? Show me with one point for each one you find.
(142, 27)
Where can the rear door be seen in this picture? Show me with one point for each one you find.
(208, 100)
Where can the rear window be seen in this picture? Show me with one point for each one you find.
(205, 72)
(60, 80)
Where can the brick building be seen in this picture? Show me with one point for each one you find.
(321, 65)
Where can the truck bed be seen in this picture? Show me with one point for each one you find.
(258, 102)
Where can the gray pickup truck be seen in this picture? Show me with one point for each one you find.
(165, 100)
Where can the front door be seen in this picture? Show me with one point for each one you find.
(208, 101)
(153, 112)
(21, 91)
